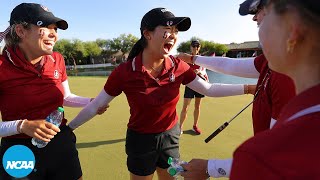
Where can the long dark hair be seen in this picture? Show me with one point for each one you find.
(140, 44)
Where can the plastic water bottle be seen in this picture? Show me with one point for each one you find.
(175, 168)
(55, 118)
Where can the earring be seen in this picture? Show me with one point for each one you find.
(290, 46)
(148, 37)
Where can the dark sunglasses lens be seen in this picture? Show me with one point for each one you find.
(195, 46)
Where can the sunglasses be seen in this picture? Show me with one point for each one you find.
(195, 46)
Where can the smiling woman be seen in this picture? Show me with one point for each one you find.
(34, 84)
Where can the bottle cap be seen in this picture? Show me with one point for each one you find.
(170, 160)
(172, 171)
(60, 109)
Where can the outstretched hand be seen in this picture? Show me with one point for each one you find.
(196, 169)
(185, 57)
(101, 110)
(40, 129)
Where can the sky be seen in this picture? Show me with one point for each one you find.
(212, 20)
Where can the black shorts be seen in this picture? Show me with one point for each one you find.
(58, 160)
(189, 93)
(146, 152)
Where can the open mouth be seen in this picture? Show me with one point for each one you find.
(168, 47)
(49, 43)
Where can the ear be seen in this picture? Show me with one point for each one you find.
(297, 30)
(20, 31)
(146, 34)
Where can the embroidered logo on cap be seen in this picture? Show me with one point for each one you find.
(164, 10)
(56, 74)
(45, 8)
(254, 5)
(39, 23)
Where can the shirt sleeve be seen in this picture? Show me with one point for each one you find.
(259, 62)
(114, 84)
(189, 74)
(246, 166)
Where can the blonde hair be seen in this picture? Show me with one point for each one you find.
(12, 38)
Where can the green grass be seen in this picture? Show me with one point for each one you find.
(101, 141)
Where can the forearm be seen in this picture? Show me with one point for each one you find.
(243, 67)
(9, 128)
(72, 100)
(219, 167)
(76, 101)
(216, 89)
(91, 109)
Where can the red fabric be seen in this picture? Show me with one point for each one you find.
(277, 90)
(290, 150)
(26, 93)
(152, 101)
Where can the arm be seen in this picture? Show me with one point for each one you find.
(201, 169)
(243, 67)
(217, 89)
(40, 129)
(102, 100)
(72, 100)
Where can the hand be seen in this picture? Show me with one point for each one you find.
(40, 129)
(251, 88)
(185, 57)
(195, 169)
(103, 109)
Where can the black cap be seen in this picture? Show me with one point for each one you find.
(162, 16)
(195, 43)
(251, 6)
(35, 14)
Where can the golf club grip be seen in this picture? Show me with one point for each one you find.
(216, 132)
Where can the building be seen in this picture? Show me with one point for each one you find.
(245, 49)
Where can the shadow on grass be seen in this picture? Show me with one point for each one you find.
(190, 132)
(98, 143)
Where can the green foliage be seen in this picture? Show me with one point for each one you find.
(123, 43)
(207, 47)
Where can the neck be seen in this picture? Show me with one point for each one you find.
(30, 56)
(151, 61)
(306, 76)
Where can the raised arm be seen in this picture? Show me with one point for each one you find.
(218, 89)
(242, 67)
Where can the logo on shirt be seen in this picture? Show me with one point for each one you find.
(56, 74)
(172, 78)
(18, 161)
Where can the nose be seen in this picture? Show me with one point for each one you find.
(53, 34)
(254, 18)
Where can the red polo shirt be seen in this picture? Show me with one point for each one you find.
(152, 101)
(290, 150)
(25, 92)
(277, 89)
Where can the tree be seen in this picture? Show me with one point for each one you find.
(123, 43)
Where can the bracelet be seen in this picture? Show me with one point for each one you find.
(21, 125)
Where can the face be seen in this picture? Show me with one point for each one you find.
(273, 35)
(39, 41)
(162, 40)
(195, 49)
(258, 17)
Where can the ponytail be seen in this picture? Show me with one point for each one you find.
(137, 48)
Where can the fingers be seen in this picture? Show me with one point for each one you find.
(40, 129)
(101, 110)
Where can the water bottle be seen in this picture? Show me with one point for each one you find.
(55, 118)
(175, 168)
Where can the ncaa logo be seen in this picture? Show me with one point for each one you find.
(56, 74)
(18, 161)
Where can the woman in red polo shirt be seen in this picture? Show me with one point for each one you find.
(290, 35)
(151, 80)
(33, 83)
